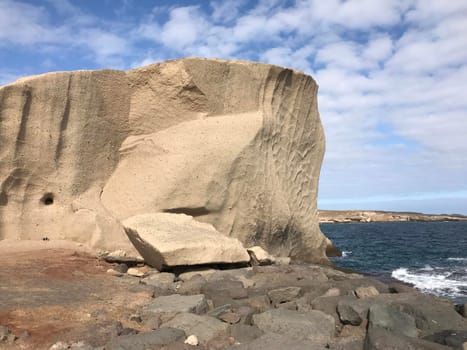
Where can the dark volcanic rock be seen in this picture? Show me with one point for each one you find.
(272, 341)
(147, 340)
(451, 338)
(282, 295)
(380, 339)
(391, 319)
(312, 325)
(243, 333)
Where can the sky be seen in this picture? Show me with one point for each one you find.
(392, 76)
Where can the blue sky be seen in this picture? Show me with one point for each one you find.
(392, 75)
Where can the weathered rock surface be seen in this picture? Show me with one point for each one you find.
(311, 325)
(168, 240)
(235, 144)
(143, 341)
(205, 328)
(389, 318)
(176, 303)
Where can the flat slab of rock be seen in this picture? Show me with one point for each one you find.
(203, 327)
(311, 325)
(165, 239)
(177, 303)
(143, 341)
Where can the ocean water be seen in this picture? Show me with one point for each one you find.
(432, 256)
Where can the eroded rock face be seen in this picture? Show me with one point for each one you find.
(235, 144)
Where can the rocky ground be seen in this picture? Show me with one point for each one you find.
(342, 216)
(55, 297)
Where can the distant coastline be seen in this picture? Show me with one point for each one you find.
(346, 216)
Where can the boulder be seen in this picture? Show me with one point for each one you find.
(168, 240)
(365, 292)
(380, 339)
(235, 144)
(312, 325)
(205, 328)
(391, 319)
(349, 314)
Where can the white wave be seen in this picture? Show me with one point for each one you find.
(346, 253)
(433, 281)
(427, 268)
(457, 259)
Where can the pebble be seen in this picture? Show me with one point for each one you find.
(192, 340)
(136, 272)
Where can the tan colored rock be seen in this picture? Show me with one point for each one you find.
(261, 255)
(165, 239)
(236, 144)
(366, 292)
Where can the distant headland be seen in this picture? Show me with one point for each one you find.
(342, 216)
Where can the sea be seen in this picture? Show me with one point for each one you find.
(431, 256)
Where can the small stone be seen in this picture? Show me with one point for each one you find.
(365, 292)
(136, 272)
(122, 267)
(230, 317)
(260, 256)
(192, 340)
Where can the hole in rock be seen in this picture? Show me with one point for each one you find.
(47, 199)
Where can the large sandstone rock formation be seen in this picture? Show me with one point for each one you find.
(235, 144)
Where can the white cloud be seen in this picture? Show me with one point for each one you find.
(183, 29)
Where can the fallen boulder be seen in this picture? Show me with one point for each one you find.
(168, 240)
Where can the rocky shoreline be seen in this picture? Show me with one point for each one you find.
(275, 306)
(346, 216)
